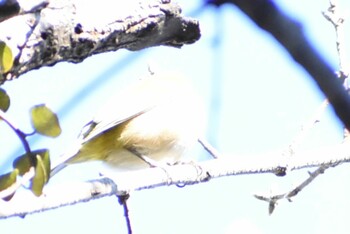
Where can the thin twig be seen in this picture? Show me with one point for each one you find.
(312, 176)
(334, 16)
(307, 127)
(209, 148)
(122, 199)
(21, 135)
(273, 200)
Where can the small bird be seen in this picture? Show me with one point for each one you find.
(152, 122)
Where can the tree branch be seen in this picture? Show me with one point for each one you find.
(274, 199)
(334, 16)
(185, 174)
(60, 32)
(288, 32)
(337, 20)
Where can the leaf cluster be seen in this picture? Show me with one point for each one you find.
(33, 166)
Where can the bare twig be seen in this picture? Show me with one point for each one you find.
(306, 128)
(273, 200)
(312, 176)
(123, 201)
(334, 16)
(208, 147)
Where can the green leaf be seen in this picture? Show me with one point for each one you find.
(42, 168)
(41, 176)
(6, 57)
(44, 162)
(6, 181)
(45, 121)
(4, 100)
(23, 164)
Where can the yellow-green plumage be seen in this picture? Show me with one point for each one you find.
(158, 118)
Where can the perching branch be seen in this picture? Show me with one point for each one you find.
(60, 32)
(67, 194)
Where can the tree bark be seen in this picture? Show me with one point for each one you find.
(62, 30)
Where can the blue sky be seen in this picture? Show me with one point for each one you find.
(261, 99)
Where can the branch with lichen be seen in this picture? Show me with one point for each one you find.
(55, 33)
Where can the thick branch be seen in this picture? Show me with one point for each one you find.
(289, 34)
(67, 194)
(59, 32)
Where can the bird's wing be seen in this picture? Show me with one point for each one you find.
(130, 103)
(95, 127)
